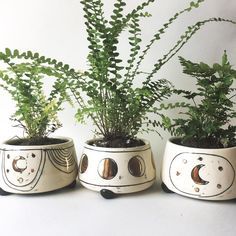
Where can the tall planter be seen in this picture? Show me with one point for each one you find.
(207, 174)
(37, 169)
(117, 170)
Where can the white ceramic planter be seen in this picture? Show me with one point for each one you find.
(207, 174)
(119, 170)
(37, 169)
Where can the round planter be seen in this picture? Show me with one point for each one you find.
(37, 169)
(117, 170)
(207, 174)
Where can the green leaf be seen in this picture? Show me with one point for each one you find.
(8, 52)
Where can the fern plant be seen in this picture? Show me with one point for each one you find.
(118, 108)
(23, 76)
(208, 121)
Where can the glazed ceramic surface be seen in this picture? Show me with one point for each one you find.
(207, 174)
(36, 169)
(120, 170)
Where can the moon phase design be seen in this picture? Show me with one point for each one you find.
(17, 166)
(196, 177)
(107, 168)
(201, 174)
(83, 164)
(136, 166)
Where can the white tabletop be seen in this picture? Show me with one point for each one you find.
(80, 212)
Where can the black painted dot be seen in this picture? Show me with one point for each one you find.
(8, 171)
(8, 156)
(33, 155)
(219, 186)
(200, 158)
(220, 168)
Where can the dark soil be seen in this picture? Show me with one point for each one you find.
(117, 143)
(38, 141)
(203, 143)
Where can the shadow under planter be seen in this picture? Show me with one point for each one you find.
(207, 174)
(115, 171)
(37, 169)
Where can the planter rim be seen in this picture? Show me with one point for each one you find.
(143, 147)
(68, 140)
(170, 140)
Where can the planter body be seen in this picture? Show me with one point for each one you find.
(37, 169)
(207, 174)
(120, 170)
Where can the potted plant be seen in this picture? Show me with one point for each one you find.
(36, 162)
(117, 161)
(200, 162)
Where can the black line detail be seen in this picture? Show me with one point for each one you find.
(34, 149)
(62, 159)
(130, 185)
(141, 150)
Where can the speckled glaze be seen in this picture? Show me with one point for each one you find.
(37, 169)
(120, 170)
(207, 174)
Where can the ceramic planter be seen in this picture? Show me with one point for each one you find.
(37, 169)
(201, 173)
(118, 170)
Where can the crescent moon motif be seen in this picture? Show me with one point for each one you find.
(16, 167)
(196, 177)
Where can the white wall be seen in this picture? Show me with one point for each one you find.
(55, 28)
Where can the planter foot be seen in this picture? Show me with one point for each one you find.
(4, 193)
(165, 188)
(107, 194)
(72, 185)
